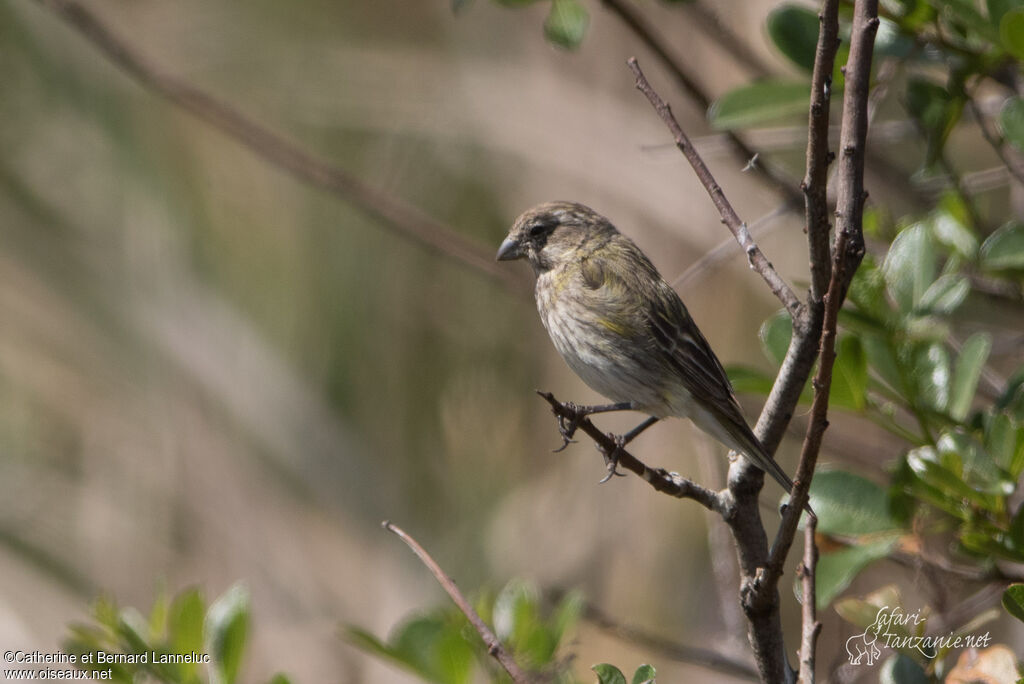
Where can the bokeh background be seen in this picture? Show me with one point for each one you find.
(211, 372)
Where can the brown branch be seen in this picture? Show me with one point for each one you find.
(756, 257)
(808, 584)
(708, 658)
(272, 147)
(853, 139)
(815, 184)
(642, 29)
(662, 480)
(494, 647)
(818, 417)
(845, 260)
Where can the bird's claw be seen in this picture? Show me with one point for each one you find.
(567, 426)
(611, 460)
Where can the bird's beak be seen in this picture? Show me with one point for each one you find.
(510, 249)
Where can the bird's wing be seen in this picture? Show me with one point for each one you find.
(687, 351)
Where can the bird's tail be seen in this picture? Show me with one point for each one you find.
(752, 449)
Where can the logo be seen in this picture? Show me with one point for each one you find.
(893, 628)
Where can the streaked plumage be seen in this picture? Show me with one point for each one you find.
(622, 328)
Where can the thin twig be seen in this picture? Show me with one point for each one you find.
(757, 259)
(712, 660)
(662, 480)
(274, 148)
(725, 249)
(494, 647)
(642, 29)
(723, 37)
(808, 585)
(997, 142)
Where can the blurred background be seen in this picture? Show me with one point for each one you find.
(211, 372)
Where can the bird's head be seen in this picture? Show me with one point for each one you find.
(549, 233)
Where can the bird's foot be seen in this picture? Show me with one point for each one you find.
(567, 426)
(611, 460)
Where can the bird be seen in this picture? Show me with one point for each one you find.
(624, 330)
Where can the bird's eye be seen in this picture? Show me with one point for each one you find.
(540, 228)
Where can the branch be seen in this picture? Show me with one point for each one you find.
(852, 142)
(756, 257)
(712, 660)
(811, 626)
(662, 480)
(403, 218)
(995, 140)
(846, 258)
(494, 647)
(656, 44)
(815, 184)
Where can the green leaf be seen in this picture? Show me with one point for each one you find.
(930, 369)
(454, 658)
(1004, 249)
(838, 568)
(883, 361)
(1013, 601)
(966, 13)
(998, 8)
(850, 375)
(1011, 32)
(760, 103)
(644, 675)
(937, 110)
(566, 23)
(517, 620)
(1011, 119)
(185, 627)
(962, 454)
(746, 380)
(280, 678)
(366, 641)
(566, 615)
(775, 334)
(864, 612)
(909, 266)
(609, 674)
(1017, 530)
(945, 295)
(969, 365)
(1004, 440)
(867, 290)
(794, 30)
(900, 669)
(947, 483)
(227, 626)
(951, 226)
(850, 505)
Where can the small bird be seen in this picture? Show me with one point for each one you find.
(623, 329)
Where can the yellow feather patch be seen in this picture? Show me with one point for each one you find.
(616, 328)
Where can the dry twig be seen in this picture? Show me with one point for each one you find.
(757, 259)
(274, 148)
(662, 480)
(494, 647)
